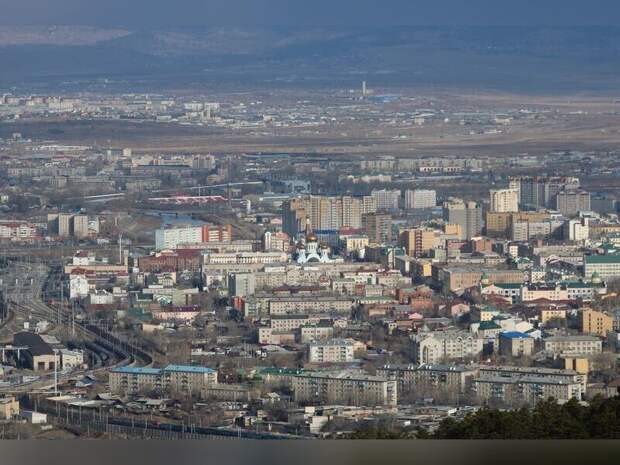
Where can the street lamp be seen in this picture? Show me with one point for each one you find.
(56, 372)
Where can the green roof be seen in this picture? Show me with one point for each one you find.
(484, 325)
(279, 371)
(509, 286)
(139, 314)
(579, 284)
(602, 259)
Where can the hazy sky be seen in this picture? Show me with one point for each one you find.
(153, 13)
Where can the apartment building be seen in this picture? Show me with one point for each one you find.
(573, 345)
(544, 291)
(331, 351)
(324, 329)
(241, 284)
(271, 336)
(522, 231)
(515, 344)
(344, 388)
(552, 313)
(314, 304)
(433, 347)
(387, 200)
(244, 258)
(322, 213)
(571, 202)
(596, 323)
(499, 224)
(377, 227)
(536, 191)
(66, 225)
(605, 266)
(19, 231)
(420, 199)
(177, 260)
(525, 390)
(419, 241)
(504, 200)
(462, 277)
(291, 322)
(518, 386)
(466, 214)
(171, 379)
(172, 238)
(554, 374)
(409, 377)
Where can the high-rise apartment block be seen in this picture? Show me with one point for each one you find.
(466, 214)
(541, 192)
(420, 199)
(386, 199)
(322, 213)
(504, 200)
(378, 227)
(571, 202)
(67, 225)
(418, 241)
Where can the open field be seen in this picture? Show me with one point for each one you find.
(576, 123)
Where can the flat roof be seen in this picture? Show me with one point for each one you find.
(514, 335)
(602, 259)
(189, 369)
(571, 338)
(137, 370)
(159, 371)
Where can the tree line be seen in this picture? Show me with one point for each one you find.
(599, 419)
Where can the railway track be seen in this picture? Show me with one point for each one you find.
(109, 349)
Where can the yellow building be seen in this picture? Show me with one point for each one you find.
(9, 408)
(422, 268)
(498, 223)
(487, 313)
(578, 364)
(547, 314)
(418, 241)
(597, 323)
(355, 243)
(452, 229)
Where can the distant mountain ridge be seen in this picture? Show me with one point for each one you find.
(582, 58)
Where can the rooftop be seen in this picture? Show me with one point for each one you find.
(159, 371)
(571, 338)
(333, 342)
(514, 335)
(602, 259)
(188, 369)
(137, 371)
